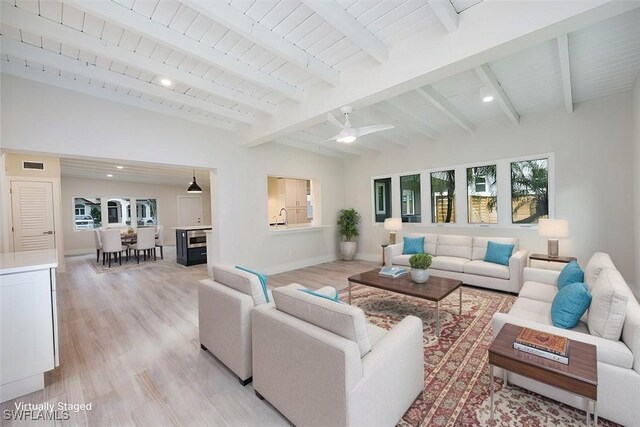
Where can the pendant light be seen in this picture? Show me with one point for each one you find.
(194, 187)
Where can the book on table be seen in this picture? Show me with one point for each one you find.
(392, 272)
(541, 353)
(543, 344)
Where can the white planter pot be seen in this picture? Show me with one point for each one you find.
(348, 250)
(419, 275)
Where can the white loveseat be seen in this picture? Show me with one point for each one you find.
(321, 364)
(618, 359)
(462, 258)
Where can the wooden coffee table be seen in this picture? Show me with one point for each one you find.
(436, 289)
(579, 377)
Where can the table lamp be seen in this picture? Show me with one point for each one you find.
(553, 229)
(393, 225)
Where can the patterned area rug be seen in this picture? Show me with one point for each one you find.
(131, 264)
(456, 386)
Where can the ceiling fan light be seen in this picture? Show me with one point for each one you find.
(347, 135)
(486, 95)
(348, 139)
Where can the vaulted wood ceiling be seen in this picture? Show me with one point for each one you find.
(238, 65)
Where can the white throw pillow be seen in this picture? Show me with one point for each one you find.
(597, 262)
(342, 319)
(608, 305)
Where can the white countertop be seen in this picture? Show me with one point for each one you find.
(193, 227)
(20, 262)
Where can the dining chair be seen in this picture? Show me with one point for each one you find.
(98, 241)
(112, 244)
(160, 240)
(146, 242)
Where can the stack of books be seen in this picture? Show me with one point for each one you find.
(393, 272)
(549, 346)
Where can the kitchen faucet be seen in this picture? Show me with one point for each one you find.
(286, 216)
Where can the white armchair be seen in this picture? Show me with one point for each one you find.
(98, 242)
(112, 244)
(319, 363)
(146, 241)
(160, 240)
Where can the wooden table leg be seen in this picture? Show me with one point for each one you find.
(491, 387)
(438, 318)
(349, 298)
(460, 288)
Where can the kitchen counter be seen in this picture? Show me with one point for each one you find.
(193, 227)
(21, 262)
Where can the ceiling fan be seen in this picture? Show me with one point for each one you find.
(349, 134)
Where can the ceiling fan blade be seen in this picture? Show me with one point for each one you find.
(375, 128)
(333, 138)
(334, 121)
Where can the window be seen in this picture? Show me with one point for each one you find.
(290, 201)
(147, 211)
(482, 200)
(87, 213)
(119, 210)
(382, 198)
(443, 196)
(410, 198)
(529, 191)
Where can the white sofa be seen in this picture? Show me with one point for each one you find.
(618, 359)
(321, 364)
(462, 258)
(225, 302)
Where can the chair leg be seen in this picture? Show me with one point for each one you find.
(109, 259)
(161, 254)
(138, 256)
(261, 397)
(245, 382)
(120, 257)
(154, 253)
(97, 255)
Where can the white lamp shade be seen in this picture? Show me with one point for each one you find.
(553, 228)
(393, 224)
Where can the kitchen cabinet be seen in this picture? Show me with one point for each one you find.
(292, 195)
(28, 321)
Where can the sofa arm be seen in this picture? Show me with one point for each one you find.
(611, 352)
(393, 376)
(516, 265)
(549, 277)
(392, 251)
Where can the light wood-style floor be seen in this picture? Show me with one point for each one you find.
(129, 346)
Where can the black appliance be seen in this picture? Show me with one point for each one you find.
(191, 246)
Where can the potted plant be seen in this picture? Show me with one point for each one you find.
(420, 264)
(348, 221)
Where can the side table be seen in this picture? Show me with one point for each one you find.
(579, 377)
(384, 245)
(547, 262)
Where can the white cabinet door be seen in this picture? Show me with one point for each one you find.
(32, 213)
(26, 325)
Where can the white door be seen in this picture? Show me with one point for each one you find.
(32, 214)
(189, 210)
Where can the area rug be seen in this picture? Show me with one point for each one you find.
(130, 265)
(456, 386)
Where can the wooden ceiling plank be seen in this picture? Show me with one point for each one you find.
(36, 75)
(314, 148)
(446, 13)
(69, 37)
(439, 101)
(135, 22)
(407, 118)
(32, 53)
(565, 71)
(489, 79)
(346, 24)
(243, 25)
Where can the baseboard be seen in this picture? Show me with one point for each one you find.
(281, 268)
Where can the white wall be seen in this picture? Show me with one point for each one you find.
(45, 119)
(636, 162)
(82, 241)
(593, 153)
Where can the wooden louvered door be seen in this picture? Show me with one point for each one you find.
(32, 213)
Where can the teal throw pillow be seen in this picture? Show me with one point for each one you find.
(569, 305)
(498, 253)
(413, 245)
(336, 298)
(571, 273)
(263, 280)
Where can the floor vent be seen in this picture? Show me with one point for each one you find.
(33, 165)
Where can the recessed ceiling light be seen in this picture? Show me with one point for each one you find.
(109, 175)
(165, 82)
(485, 94)
(119, 167)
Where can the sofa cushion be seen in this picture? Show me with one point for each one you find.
(449, 263)
(480, 245)
(569, 305)
(592, 270)
(538, 291)
(430, 241)
(609, 305)
(482, 268)
(454, 246)
(401, 260)
(412, 245)
(241, 281)
(532, 310)
(344, 320)
(498, 253)
(571, 273)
